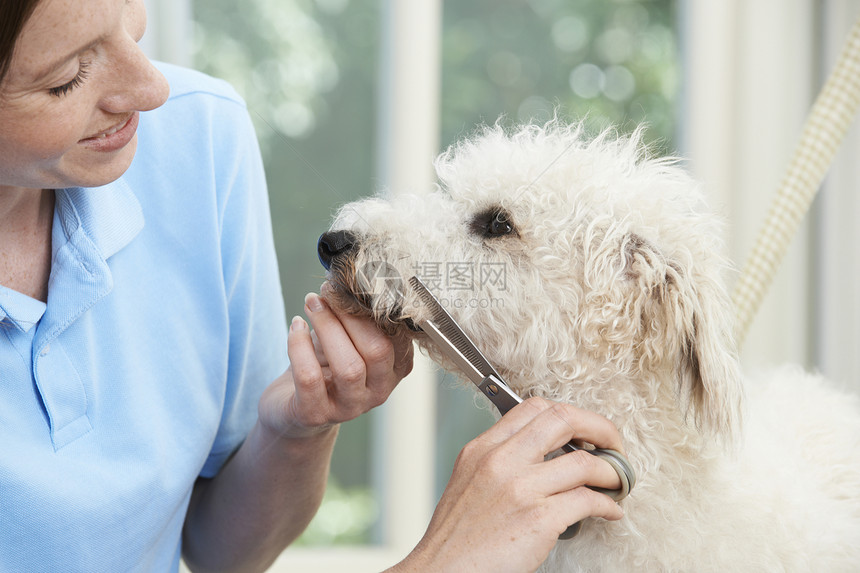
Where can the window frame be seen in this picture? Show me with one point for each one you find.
(836, 271)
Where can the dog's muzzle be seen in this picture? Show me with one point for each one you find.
(332, 244)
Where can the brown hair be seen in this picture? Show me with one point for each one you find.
(13, 15)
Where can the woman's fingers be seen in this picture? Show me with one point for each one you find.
(547, 425)
(321, 358)
(307, 371)
(347, 365)
(538, 427)
(577, 504)
(344, 364)
(375, 349)
(586, 426)
(310, 404)
(387, 358)
(575, 469)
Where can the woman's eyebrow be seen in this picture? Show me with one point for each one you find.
(60, 62)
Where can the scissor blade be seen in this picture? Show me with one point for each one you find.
(446, 327)
(450, 350)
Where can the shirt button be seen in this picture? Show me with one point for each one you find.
(45, 350)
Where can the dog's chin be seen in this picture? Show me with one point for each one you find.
(390, 319)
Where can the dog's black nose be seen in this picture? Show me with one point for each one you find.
(334, 243)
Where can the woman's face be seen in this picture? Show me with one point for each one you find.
(70, 101)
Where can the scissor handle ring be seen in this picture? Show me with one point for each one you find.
(624, 470)
(625, 473)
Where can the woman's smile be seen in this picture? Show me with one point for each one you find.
(115, 137)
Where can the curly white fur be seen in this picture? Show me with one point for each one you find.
(614, 299)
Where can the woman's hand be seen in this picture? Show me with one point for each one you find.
(505, 506)
(339, 370)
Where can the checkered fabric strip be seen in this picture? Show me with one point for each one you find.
(823, 132)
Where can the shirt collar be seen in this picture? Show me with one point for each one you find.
(19, 310)
(110, 215)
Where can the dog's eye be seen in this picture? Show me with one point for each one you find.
(500, 225)
(493, 223)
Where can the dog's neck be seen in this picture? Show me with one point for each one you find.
(646, 411)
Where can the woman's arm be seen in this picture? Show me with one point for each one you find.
(261, 500)
(270, 489)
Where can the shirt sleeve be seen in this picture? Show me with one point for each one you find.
(257, 337)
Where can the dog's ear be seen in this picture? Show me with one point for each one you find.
(686, 312)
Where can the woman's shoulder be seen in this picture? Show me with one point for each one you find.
(203, 120)
(195, 146)
(199, 106)
(186, 82)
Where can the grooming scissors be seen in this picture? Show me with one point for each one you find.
(442, 329)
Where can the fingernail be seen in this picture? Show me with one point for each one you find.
(313, 302)
(621, 509)
(298, 324)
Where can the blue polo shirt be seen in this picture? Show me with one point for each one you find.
(164, 323)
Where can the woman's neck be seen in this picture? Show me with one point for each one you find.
(26, 216)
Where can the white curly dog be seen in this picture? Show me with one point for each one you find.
(591, 273)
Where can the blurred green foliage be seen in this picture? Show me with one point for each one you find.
(344, 518)
(308, 70)
(610, 62)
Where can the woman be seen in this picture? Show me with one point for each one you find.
(147, 409)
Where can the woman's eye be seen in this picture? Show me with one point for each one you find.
(79, 78)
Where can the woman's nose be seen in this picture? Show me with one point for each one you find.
(138, 85)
